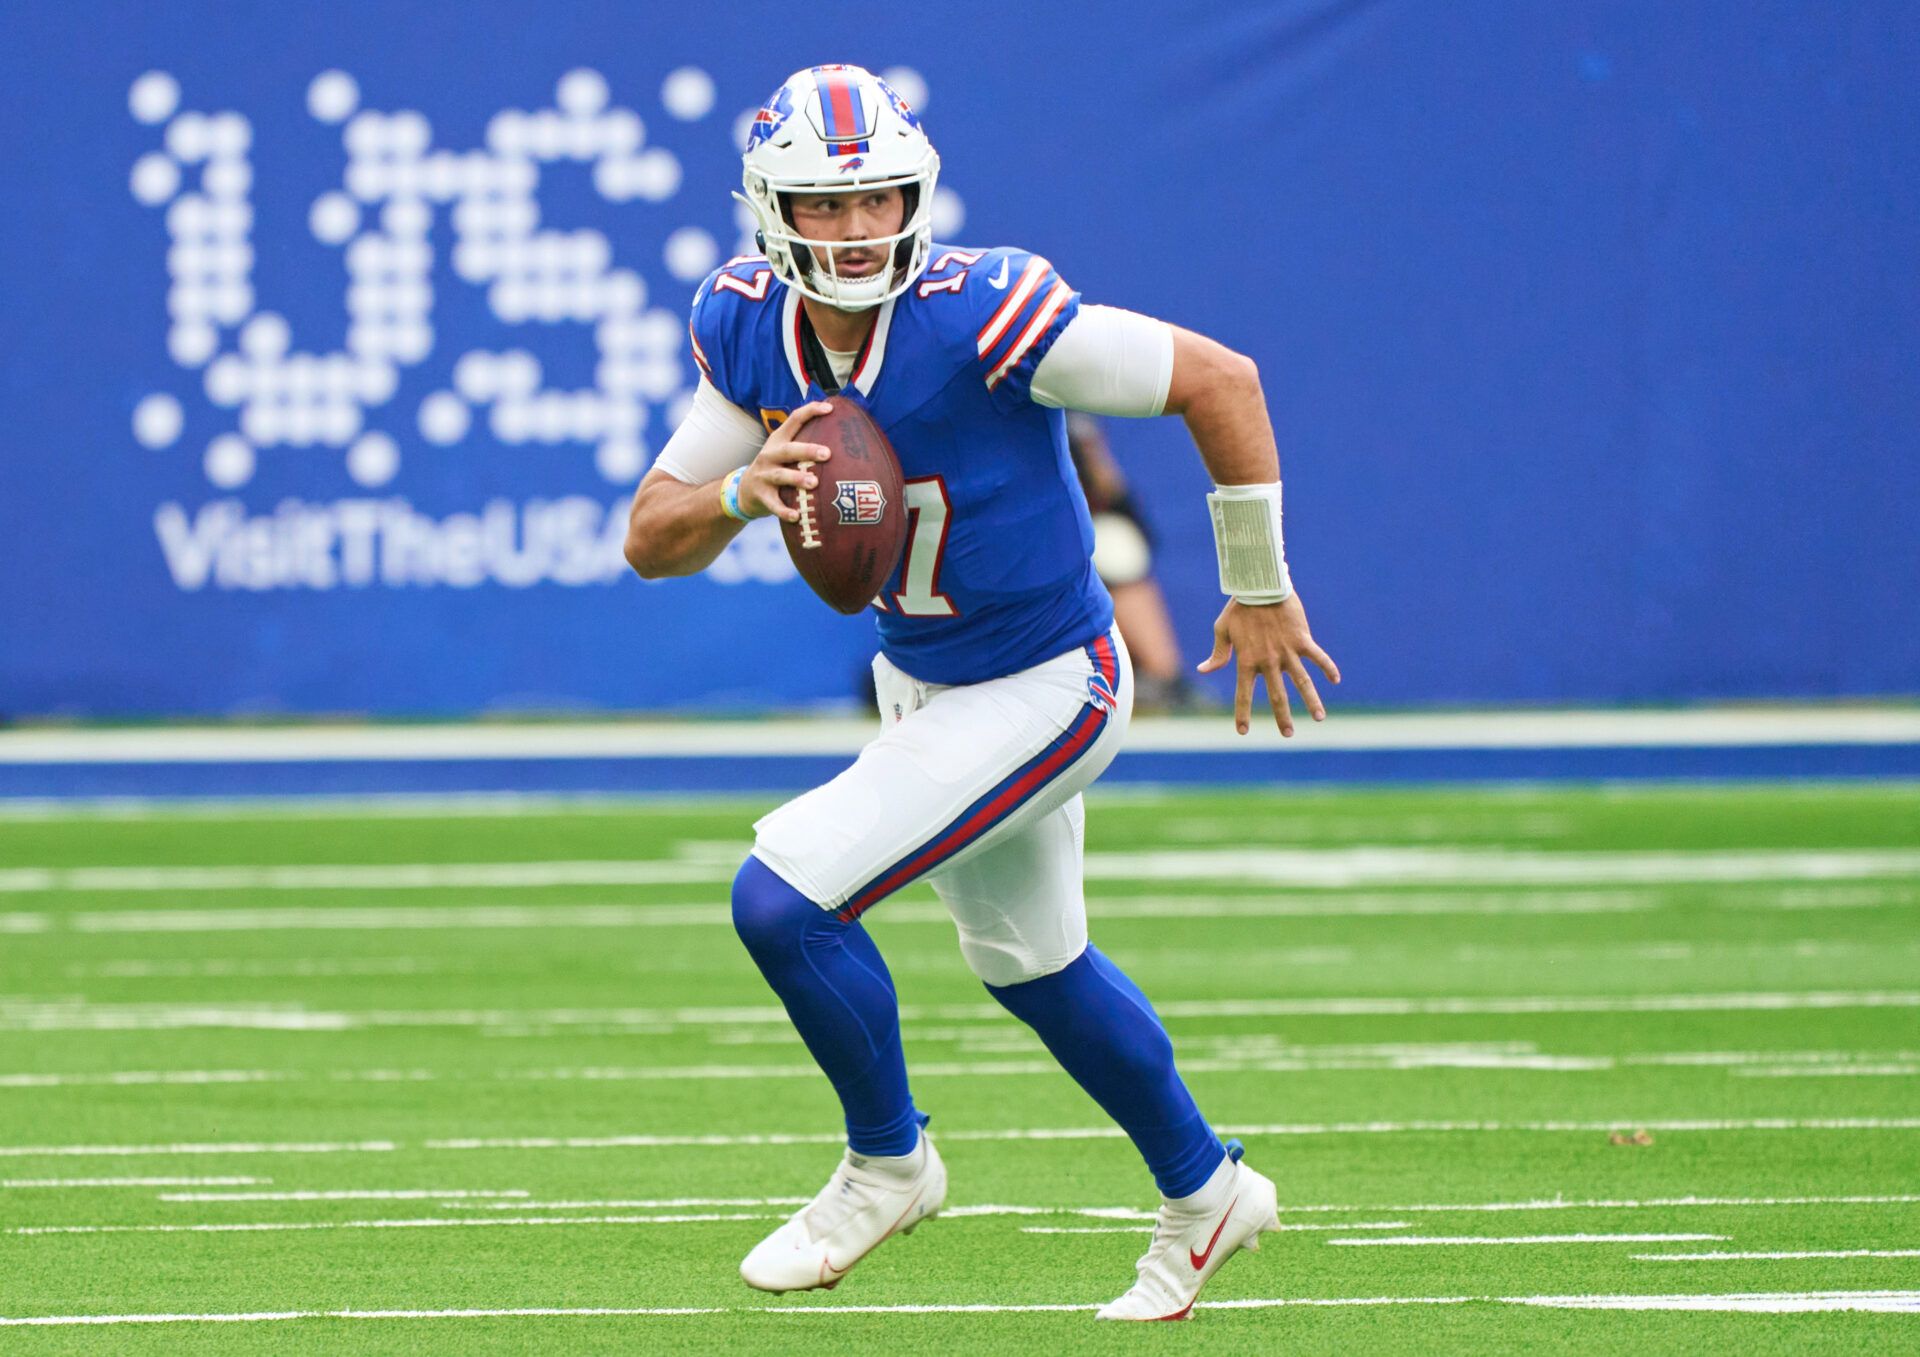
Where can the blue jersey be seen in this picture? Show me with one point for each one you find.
(997, 575)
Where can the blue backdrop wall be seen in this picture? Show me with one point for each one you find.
(336, 336)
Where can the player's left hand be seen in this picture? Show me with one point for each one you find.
(1270, 640)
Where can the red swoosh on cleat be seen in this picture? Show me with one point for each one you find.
(1199, 1260)
(826, 1256)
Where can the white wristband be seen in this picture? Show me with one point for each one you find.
(1246, 534)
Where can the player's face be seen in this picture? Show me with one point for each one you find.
(864, 214)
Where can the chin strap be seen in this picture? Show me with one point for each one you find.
(813, 355)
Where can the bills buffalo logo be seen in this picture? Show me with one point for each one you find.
(1100, 693)
(853, 164)
(860, 502)
(768, 120)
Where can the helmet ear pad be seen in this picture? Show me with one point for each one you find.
(909, 204)
(801, 256)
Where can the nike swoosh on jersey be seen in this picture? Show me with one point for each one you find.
(999, 279)
(1199, 1260)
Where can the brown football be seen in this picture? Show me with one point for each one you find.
(853, 526)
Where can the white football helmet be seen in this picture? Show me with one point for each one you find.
(834, 129)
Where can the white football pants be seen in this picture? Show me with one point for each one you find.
(975, 787)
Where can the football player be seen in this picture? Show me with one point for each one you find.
(1004, 689)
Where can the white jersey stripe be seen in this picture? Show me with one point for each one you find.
(1036, 269)
(1028, 337)
(868, 372)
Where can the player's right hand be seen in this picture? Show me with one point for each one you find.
(783, 460)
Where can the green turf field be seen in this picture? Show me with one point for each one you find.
(255, 1062)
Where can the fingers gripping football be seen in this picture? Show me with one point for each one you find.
(786, 459)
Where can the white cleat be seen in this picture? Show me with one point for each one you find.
(1189, 1247)
(860, 1208)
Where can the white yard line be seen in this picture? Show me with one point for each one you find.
(1147, 1228)
(1776, 1302)
(1386, 1059)
(1370, 904)
(1831, 897)
(1734, 726)
(1447, 1241)
(201, 1077)
(423, 1223)
(375, 918)
(1611, 1204)
(1828, 1071)
(75, 1016)
(272, 1316)
(1764, 1302)
(199, 1148)
(1786, 1302)
(638, 1141)
(282, 968)
(399, 918)
(132, 1182)
(358, 1194)
(1785, 1254)
(1369, 865)
(1273, 1129)
(364, 876)
(1604, 1003)
(1359, 865)
(637, 1202)
(363, 806)
(122, 1078)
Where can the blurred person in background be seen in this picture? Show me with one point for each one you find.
(1123, 557)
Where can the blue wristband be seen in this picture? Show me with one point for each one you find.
(730, 495)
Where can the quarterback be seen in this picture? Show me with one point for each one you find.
(1004, 689)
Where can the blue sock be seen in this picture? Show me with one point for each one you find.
(1105, 1034)
(840, 997)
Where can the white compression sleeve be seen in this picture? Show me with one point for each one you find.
(1108, 362)
(715, 437)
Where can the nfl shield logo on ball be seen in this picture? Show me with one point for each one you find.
(860, 502)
